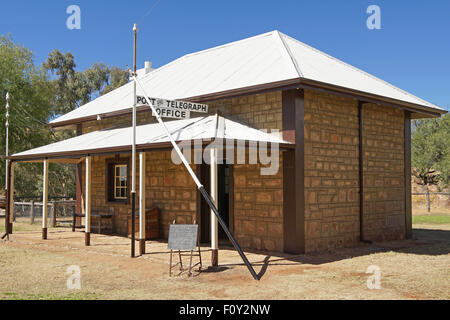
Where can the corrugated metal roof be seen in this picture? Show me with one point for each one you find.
(268, 58)
(203, 128)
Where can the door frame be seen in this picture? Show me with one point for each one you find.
(205, 236)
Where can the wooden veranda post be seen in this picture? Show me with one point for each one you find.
(53, 212)
(142, 209)
(87, 234)
(214, 221)
(45, 201)
(32, 212)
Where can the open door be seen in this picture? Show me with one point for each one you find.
(225, 202)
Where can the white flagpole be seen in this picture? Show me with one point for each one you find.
(7, 192)
(7, 140)
(133, 160)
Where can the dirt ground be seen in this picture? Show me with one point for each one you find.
(433, 211)
(36, 269)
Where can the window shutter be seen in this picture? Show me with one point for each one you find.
(110, 182)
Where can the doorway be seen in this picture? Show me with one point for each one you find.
(225, 202)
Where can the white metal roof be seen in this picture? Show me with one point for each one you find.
(203, 128)
(263, 59)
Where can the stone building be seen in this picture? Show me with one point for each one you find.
(344, 155)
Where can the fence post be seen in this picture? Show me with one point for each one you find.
(53, 212)
(428, 201)
(32, 212)
(64, 208)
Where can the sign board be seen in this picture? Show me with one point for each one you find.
(172, 113)
(183, 237)
(184, 108)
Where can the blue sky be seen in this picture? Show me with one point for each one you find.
(411, 51)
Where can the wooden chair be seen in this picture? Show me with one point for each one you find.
(99, 217)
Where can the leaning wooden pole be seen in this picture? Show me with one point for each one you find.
(201, 188)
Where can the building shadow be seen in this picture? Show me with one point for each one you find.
(427, 242)
(424, 242)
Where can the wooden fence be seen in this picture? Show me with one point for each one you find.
(33, 210)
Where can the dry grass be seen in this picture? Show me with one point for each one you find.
(22, 226)
(34, 269)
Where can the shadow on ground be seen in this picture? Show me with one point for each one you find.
(424, 242)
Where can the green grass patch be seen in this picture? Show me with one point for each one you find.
(21, 227)
(432, 219)
(50, 296)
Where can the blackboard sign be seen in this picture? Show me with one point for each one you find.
(183, 237)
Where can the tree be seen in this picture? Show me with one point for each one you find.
(30, 107)
(442, 137)
(117, 78)
(37, 96)
(431, 151)
(76, 88)
(72, 89)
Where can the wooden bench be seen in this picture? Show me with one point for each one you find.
(3, 206)
(100, 217)
(2, 203)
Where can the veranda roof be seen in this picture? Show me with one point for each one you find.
(150, 136)
(268, 60)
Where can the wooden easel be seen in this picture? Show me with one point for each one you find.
(191, 255)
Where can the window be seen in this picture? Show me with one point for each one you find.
(117, 180)
(121, 182)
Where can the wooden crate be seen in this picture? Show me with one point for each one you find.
(151, 225)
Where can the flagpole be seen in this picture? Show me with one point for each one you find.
(133, 160)
(7, 139)
(7, 219)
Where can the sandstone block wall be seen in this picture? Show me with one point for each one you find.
(168, 187)
(384, 178)
(258, 208)
(331, 172)
(332, 213)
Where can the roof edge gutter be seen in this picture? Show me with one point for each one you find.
(270, 87)
(78, 154)
(370, 98)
